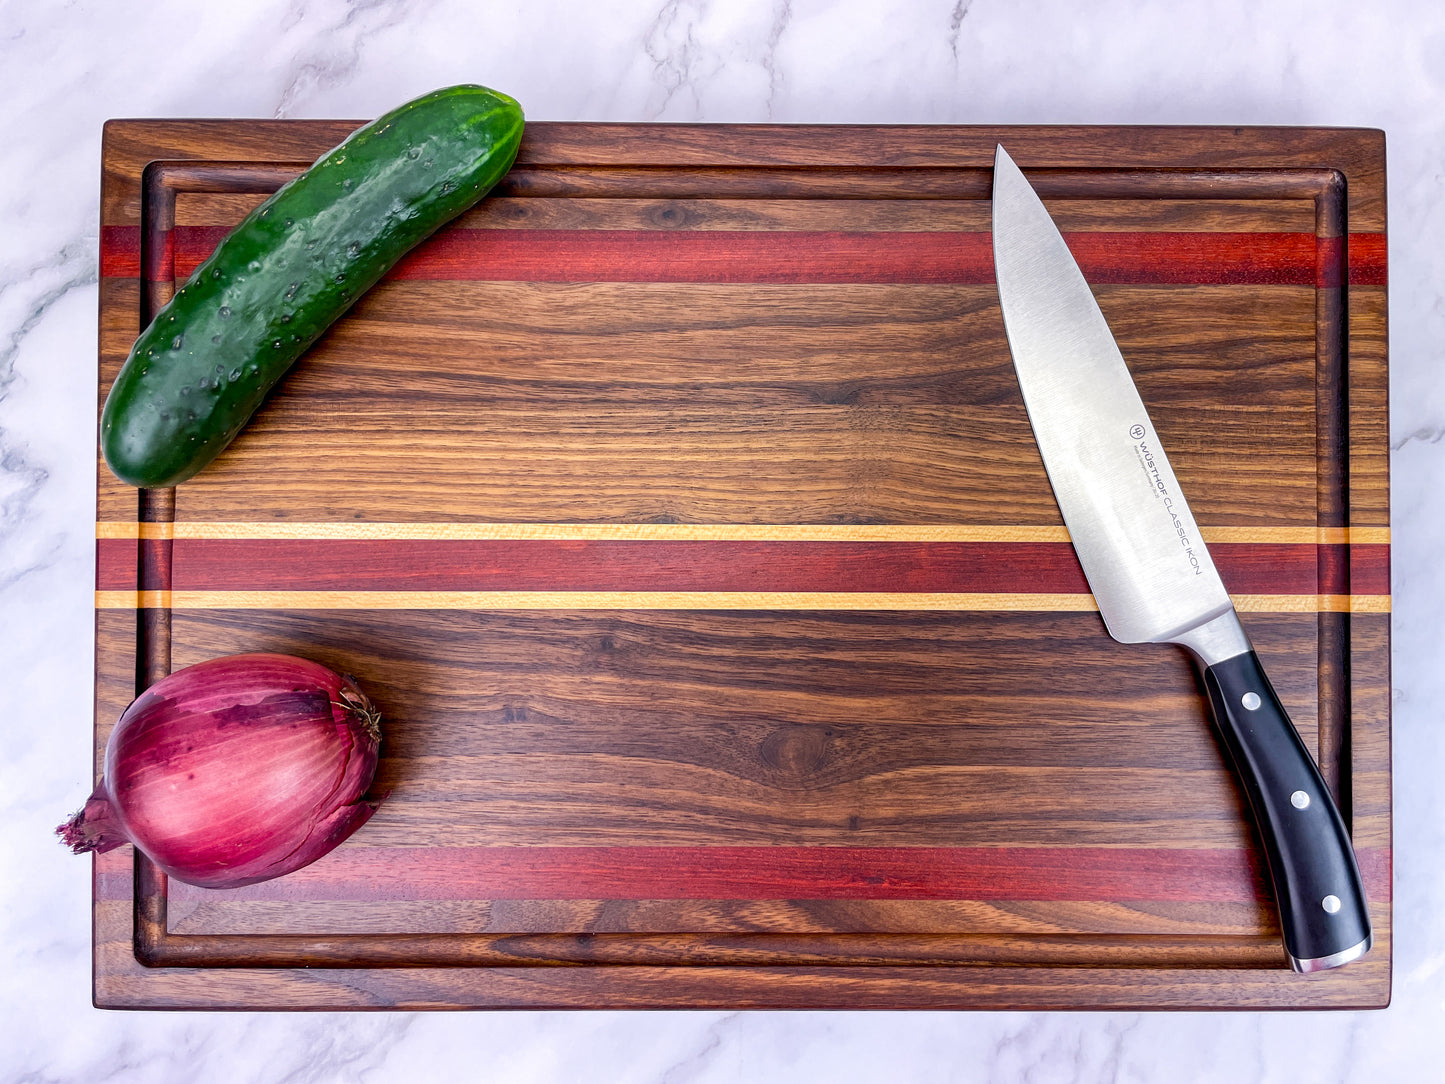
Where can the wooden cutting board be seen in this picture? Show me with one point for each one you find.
(679, 509)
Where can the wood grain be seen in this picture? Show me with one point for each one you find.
(724, 564)
(877, 750)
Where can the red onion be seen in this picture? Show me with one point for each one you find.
(235, 771)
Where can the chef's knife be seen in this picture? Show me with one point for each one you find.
(1150, 571)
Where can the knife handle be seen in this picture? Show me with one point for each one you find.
(1317, 887)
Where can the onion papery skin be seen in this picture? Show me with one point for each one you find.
(235, 770)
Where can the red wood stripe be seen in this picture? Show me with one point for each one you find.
(226, 564)
(156, 565)
(160, 260)
(809, 256)
(1369, 570)
(545, 565)
(120, 252)
(1368, 259)
(749, 873)
(117, 564)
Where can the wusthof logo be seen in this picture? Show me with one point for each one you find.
(1160, 490)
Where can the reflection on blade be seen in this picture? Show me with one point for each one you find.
(1130, 524)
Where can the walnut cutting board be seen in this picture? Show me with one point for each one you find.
(679, 509)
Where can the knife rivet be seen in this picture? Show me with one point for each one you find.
(1300, 800)
(1331, 904)
(1251, 701)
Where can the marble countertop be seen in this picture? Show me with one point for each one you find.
(66, 68)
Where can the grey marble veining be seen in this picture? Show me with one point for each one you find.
(66, 68)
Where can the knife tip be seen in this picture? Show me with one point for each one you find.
(1004, 168)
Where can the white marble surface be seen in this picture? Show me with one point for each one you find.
(66, 67)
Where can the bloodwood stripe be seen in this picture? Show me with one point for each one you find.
(236, 564)
(760, 873)
(814, 256)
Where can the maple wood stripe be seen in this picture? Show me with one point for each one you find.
(1301, 604)
(381, 874)
(748, 532)
(289, 564)
(808, 256)
(685, 600)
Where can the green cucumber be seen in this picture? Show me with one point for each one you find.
(290, 269)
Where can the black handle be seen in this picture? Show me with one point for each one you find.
(1316, 881)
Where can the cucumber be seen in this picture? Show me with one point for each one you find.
(293, 266)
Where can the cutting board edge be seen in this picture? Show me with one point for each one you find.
(557, 143)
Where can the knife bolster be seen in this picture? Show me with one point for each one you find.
(1215, 641)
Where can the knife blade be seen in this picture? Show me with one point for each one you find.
(1150, 571)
